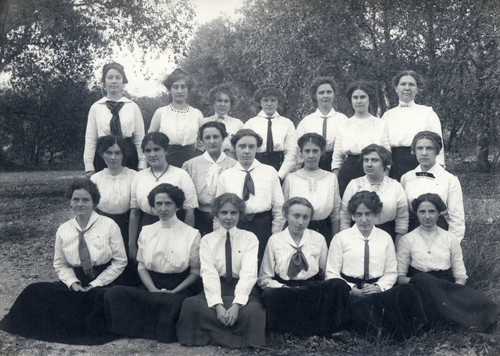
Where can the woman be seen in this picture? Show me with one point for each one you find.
(407, 119)
(178, 120)
(114, 115)
(155, 146)
(229, 313)
(89, 255)
(258, 185)
(169, 264)
(431, 259)
(364, 257)
(204, 170)
(430, 177)
(292, 272)
(393, 217)
(316, 185)
(222, 98)
(278, 132)
(325, 121)
(358, 132)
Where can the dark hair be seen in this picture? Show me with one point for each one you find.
(297, 201)
(116, 66)
(384, 153)
(370, 199)
(434, 137)
(222, 89)
(246, 132)
(215, 124)
(418, 78)
(158, 138)
(360, 85)
(105, 142)
(269, 90)
(228, 198)
(319, 81)
(175, 193)
(176, 75)
(86, 184)
(312, 137)
(431, 198)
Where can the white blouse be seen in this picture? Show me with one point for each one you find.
(284, 138)
(144, 182)
(445, 252)
(244, 247)
(169, 247)
(279, 252)
(391, 194)
(131, 123)
(319, 187)
(114, 190)
(181, 127)
(347, 256)
(355, 134)
(104, 242)
(444, 184)
(232, 124)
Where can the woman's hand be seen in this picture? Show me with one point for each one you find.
(232, 314)
(460, 281)
(355, 291)
(89, 287)
(403, 280)
(221, 313)
(371, 289)
(77, 287)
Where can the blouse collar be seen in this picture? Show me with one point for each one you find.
(170, 222)
(331, 113)
(207, 156)
(403, 104)
(232, 231)
(93, 217)
(254, 164)
(121, 100)
(359, 235)
(265, 116)
(304, 239)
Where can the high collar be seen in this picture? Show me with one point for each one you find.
(408, 105)
(170, 222)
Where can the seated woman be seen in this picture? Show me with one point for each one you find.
(431, 259)
(204, 170)
(320, 187)
(292, 272)
(169, 264)
(393, 217)
(365, 258)
(229, 313)
(89, 254)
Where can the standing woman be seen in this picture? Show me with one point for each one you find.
(406, 120)
(358, 132)
(222, 98)
(114, 115)
(279, 143)
(155, 147)
(325, 121)
(393, 218)
(258, 185)
(296, 257)
(178, 120)
(229, 313)
(204, 170)
(169, 263)
(430, 177)
(318, 186)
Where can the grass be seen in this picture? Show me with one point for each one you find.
(33, 206)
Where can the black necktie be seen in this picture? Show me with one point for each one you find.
(298, 263)
(83, 252)
(270, 142)
(425, 174)
(248, 187)
(366, 275)
(325, 120)
(114, 125)
(229, 259)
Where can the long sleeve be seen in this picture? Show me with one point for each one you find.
(194, 255)
(209, 275)
(248, 272)
(322, 259)
(139, 136)
(338, 156)
(390, 270)
(266, 273)
(290, 151)
(455, 213)
(403, 255)
(155, 122)
(335, 215)
(457, 260)
(402, 214)
(62, 267)
(345, 217)
(277, 205)
(434, 125)
(90, 140)
(334, 260)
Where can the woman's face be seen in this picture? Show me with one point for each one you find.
(113, 156)
(212, 141)
(179, 91)
(81, 203)
(269, 105)
(360, 102)
(364, 217)
(325, 95)
(311, 153)
(373, 166)
(222, 104)
(113, 82)
(228, 215)
(427, 214)
(155, 154)
(425, 151)
(407, 88)
(298, 217)
(245, 150)
(164, 206)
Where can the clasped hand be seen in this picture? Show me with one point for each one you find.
(366, 290)
(227, 317)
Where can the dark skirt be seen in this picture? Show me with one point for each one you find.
(130, 157)
(324, 227)
(198, 324)
(325, 161)
(351, 169)
(178, 154)
(402, 162)
(448, 302)
(203, 222)
(273, 159)
(136, 312)
(316, 307)
(261, 225)
(414, 223)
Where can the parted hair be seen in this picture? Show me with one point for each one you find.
(384, 153)
(158, 138)
(245, 132)
(319, 81)
(222, 89)
(269, 90)
(105, 142)
(86, 184)
(116, 66)
(297, 201)
(361, 85)
(174, 192)
(312, 137)
(434, 137)
(215, 124)
(176, 75)
(370, 199)
(228, 198)
(418, 78)
(431, 198)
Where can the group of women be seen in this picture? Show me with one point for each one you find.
(299, 230)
